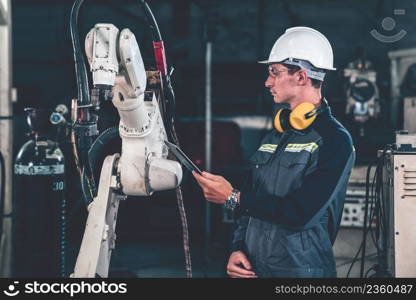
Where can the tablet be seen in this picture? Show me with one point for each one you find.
(185, 160)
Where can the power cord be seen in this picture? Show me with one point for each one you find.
(374, 203)
(2, 192)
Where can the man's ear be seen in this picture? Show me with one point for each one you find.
(302, 77)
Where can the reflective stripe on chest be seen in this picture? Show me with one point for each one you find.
(271, 148)
(310, 147)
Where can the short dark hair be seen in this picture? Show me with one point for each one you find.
(293, 69)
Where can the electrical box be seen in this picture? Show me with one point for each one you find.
(399, 201)
(409, 113)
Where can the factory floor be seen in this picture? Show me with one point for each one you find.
(164, 261)
(155, 259)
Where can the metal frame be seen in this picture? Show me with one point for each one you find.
(3, 13)
(400, 208)
(6, 128)
(409, 112)
(400, 61)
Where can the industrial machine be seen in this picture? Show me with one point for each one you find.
(391, 208)
(363, 103)
(398, 240)
(144, 101)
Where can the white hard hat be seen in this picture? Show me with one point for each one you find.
(302, 43)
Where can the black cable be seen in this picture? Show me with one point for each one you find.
(367, 191)
(2, 192)
(372, 216)
(380, 207)
(383, 215)
(370, 194)
(374, 202)
(86, 120)
(168, 120)
(351, 260)
(357, 254)
(368, 271)
(150, 18)
(169, 95)
(377, 212)
(80, 69)
(88, 187)
(354, 260)
(373, 207)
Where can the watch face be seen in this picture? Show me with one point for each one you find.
(231, 202)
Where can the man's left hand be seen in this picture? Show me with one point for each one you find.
(216, 188)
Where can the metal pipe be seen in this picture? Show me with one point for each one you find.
(6, 137)
(208, 134)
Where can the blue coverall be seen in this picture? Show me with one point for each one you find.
(291, 206)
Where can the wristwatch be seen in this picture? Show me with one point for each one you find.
(231, 202)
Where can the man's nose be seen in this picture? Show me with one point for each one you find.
(269, 82)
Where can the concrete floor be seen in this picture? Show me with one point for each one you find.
(163, 261)
(153, 259)
(345, 248)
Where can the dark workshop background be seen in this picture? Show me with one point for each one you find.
(242, 32)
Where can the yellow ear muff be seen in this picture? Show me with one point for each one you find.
(297, 117)
(277, 124)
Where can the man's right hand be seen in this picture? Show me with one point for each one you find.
(234, 269)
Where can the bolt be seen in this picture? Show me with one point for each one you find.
(402, 166)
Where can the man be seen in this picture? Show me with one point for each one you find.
(291, 206)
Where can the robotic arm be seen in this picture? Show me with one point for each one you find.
(116, 63)
(142, 168)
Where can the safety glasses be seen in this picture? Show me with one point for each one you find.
(273, 72)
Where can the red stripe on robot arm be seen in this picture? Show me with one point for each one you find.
(159, 51)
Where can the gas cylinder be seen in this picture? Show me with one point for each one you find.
(40, 204)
